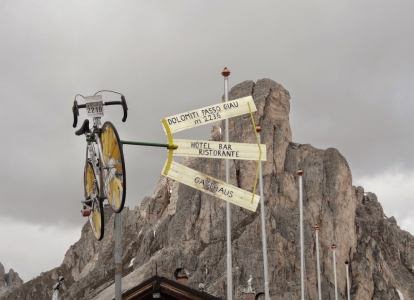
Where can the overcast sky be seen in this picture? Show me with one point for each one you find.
(348, 66)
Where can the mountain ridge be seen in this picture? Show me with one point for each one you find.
(181, 227)
(9, 281)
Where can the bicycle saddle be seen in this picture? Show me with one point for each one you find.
(84, 128)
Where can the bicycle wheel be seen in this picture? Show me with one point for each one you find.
(96, 218)
(114, 178)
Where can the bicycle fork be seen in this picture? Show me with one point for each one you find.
(98, 165)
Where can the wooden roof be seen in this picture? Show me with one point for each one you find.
(169, 289)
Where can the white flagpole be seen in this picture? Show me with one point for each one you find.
(316, 227)
(334, 262)
(302, 257)
(347, 280)
(226, 74)
(264, 243)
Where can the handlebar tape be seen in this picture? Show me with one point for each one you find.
(124, 107)
(75, 111)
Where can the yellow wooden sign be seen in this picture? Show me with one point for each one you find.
(210, 114)
(212, 186)
(212, 149)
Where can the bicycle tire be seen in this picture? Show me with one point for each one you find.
(96, 217)
(114, 177)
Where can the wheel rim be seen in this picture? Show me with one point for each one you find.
(89, 178)
(114, 172)
(96, 220)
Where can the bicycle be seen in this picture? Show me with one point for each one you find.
(104, 171)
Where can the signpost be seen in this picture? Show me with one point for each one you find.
(212, 149)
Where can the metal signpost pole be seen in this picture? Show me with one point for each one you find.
(316, 227)
(334, 262)
(265, 266)
(118, 255)
(226, 74)
(302, 257)
(347, 279)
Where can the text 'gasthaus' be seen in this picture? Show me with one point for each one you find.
(211, 185)
(214, 187)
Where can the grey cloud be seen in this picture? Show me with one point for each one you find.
(348, 68)
(347, 65)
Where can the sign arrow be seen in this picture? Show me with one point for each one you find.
(210, 114)
(212, 186)
(212, 149)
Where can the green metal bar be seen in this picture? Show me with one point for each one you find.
(173, 146)
(146, 144)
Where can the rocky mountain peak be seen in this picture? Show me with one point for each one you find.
(9, 281)
(180, 227)
(12, 279)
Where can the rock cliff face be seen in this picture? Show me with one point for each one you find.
(2, 276)
(182, 227)
(8, 281)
